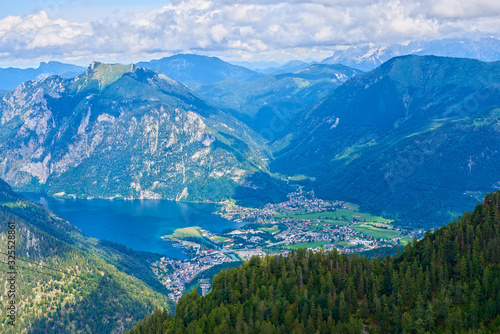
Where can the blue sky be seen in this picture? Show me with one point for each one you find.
(80, 31)
(28, 6)
(86, 10)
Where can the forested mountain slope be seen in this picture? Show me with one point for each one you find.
(415, 139)
(67, 282)
(448, 282)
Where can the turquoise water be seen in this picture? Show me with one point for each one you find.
(138, 224)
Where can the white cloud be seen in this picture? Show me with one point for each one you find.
(36, 34)
(249, 28)
(460, 9)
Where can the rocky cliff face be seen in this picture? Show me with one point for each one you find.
(121, 131)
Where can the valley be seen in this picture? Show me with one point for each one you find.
(250, 167)
(372, 138)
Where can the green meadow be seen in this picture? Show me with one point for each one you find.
(221, 239)
(270, 229)
(375, 232)
(307, 245)
(350, 214)
(185, 233)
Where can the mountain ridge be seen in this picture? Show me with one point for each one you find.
(269, 104)
(195, 70)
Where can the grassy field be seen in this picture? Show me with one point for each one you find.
(375, 232)
(184, 233)
(343, 244)
(353, 214)
(307, 245)
(365, 223)
(403, 241)
(326, 217)
(217, 238)
(270, 229)
(320, 226)
(305, 215)
(339, 217)
(317, 226)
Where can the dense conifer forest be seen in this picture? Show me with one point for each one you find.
(448, 282)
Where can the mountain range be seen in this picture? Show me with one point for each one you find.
(400, 140)
(290, 67)
(368, 57)
(121, 131)
(269, 104)
(415, 139)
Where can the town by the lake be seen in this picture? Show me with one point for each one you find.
(304, 221)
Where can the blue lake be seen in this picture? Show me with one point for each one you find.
(138, 224)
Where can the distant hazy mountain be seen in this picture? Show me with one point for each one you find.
(366, 57)
(417, 138)
(257, 65)
(195, 70)
(269, 104)
(290, 67)
(10, 77)
(127, 132)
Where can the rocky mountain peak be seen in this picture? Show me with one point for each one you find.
(106, 74)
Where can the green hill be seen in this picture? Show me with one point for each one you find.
(448, 282)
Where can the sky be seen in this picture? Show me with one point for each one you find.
(80, 31)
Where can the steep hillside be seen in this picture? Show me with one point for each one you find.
(10, 77)
(269, 105)
(123, 131)
(65, 281)
(195, 70)
(448, 282)
(404, 138)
